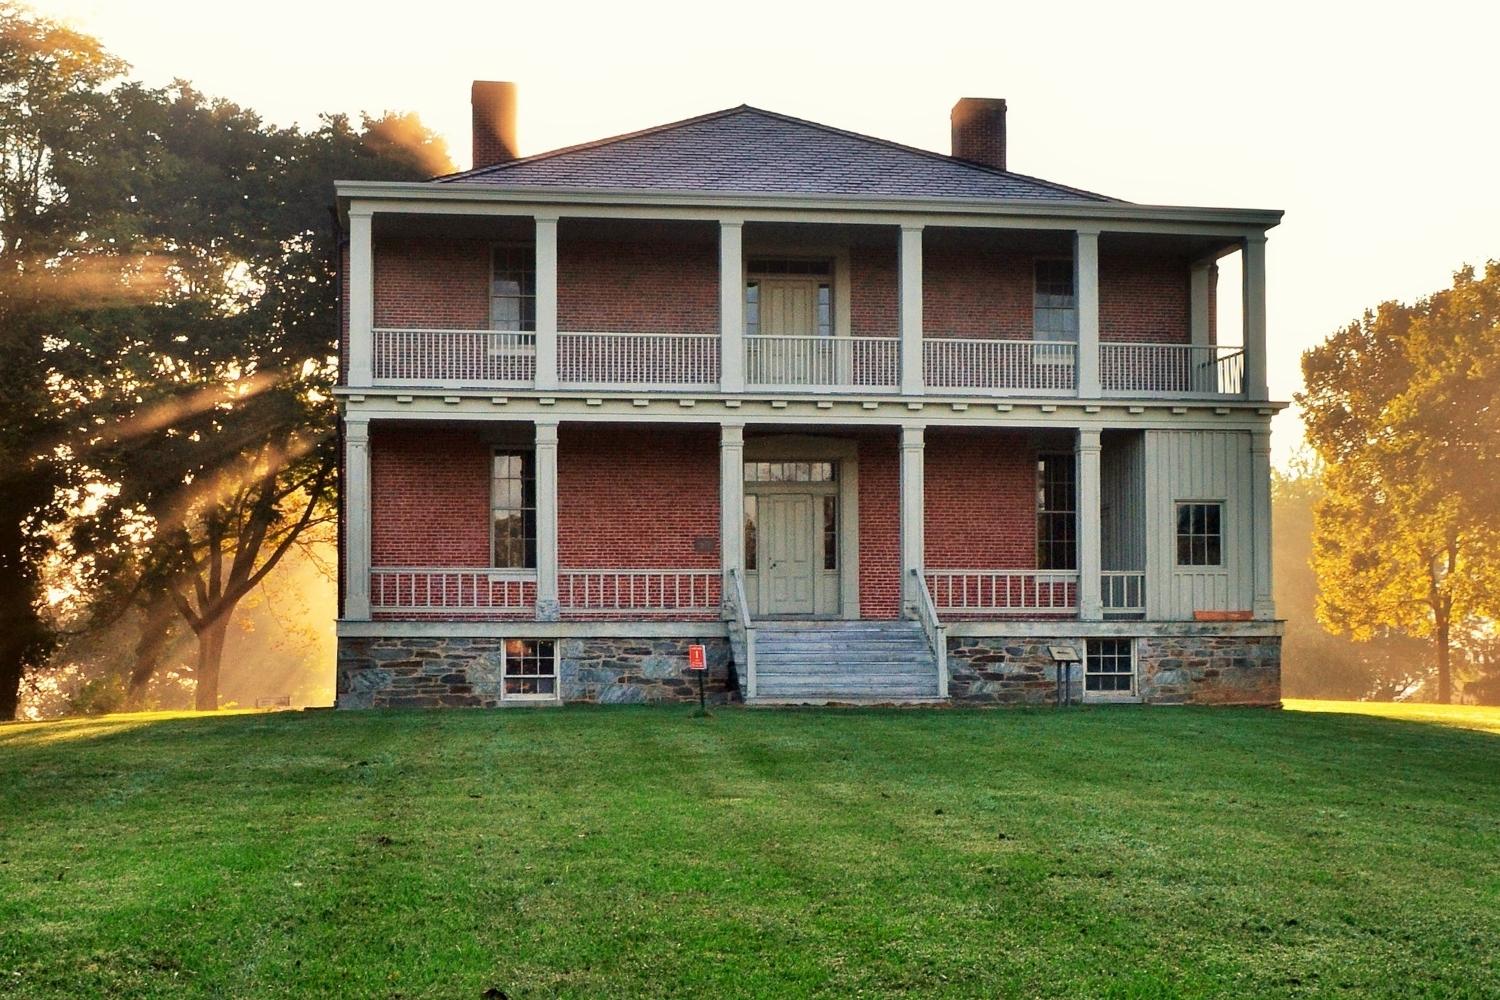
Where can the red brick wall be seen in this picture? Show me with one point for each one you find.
(984, 294)
(635, 496)
(879, 525)
(873, 306)
(637, 287)
(439, 284)
(430, 498)
(980, 500)
(1143, 299)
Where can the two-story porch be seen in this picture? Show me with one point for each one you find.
(911, 442)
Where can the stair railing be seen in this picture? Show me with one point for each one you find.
(936, 631)
(742, 627)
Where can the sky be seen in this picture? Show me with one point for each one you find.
(1370, 124)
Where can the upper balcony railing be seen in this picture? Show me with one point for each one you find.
(804, 364)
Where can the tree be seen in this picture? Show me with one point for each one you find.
(1400, 407)
(216, 434)
(53, 139)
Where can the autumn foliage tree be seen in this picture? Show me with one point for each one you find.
(1403, 407)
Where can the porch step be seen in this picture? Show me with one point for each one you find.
(838, 662)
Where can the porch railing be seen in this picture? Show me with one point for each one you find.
(638, 591)
(933, 628)
(454, 357)
(828, 363)
(1172, 369)
(645, 360)
(741, 633)
(1123, 591)
(1003, 591)
(446, 590)
(979, 365)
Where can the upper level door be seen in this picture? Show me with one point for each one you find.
(788, 307)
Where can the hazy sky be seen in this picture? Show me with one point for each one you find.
(1371, 125)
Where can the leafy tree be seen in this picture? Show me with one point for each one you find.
(168, 341)
(1400, 407)
(53, 138)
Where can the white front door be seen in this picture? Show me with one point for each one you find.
(787, 554)
(788, 307)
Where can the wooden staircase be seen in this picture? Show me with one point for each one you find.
(823, 662)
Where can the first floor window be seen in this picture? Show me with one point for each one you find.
(1056, 512)
(1110, 667)
(513, 509)
(751, 510)
(530, 668)
(1200, 538)
(830, 531)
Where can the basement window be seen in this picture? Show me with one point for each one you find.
(1109, 668)
(1200, 538)
(530, 670)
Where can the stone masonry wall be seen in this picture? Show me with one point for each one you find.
(441, 672)
(1170, 670)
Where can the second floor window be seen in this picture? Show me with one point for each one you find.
(1056, 512)
(1054, 308)
(513, 509)
(513, 288)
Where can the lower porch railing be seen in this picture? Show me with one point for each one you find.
(933, 628)
(638, 591)
(442, 590)
(1003, 591)
(1123, 591)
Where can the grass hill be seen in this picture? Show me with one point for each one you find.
(625, 852)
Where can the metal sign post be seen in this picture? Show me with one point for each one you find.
(1064, 657)
(698, 664)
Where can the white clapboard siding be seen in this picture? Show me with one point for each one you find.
(1197, 465)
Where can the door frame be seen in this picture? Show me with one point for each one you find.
(814, 448)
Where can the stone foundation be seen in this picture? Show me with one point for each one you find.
(436, 672)
(1212, 669)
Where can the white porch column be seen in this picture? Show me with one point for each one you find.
(356, 500)
(1264, 605)
(1086, 453)
(731, 502)
(361, 301)
(546, 302)
(1086, 301)
(909, 297)
(547, 608)
(731, 306)
(913, 513)
(1253, 265)
(1200, 286)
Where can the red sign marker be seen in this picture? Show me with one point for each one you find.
(697, 658)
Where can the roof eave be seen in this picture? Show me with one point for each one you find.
(1080, 209)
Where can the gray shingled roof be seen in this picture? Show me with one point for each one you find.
(747, 150)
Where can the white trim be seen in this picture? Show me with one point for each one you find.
(909, 309)
(1253, 272)
(1087, 520)
(547, 607)
(556, 676)
(1112, 697)
(1086, 301)
(731, 306)
(529, 628)
(546, 301)
(1200, 220)
(1020, 628)
(361, 299)
(1263, 604)
(357, 519)
(913, 515)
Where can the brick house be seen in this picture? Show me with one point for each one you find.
(868, 422)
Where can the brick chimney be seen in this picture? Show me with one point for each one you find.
(494, 106)
(979, 130)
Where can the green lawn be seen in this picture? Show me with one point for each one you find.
(611, 852)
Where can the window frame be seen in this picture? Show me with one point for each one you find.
(1133, 692)
(530, 696)
(522, 297)
(527, 454)
(1069, 461)
(1191, 536)
(1036, 334)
